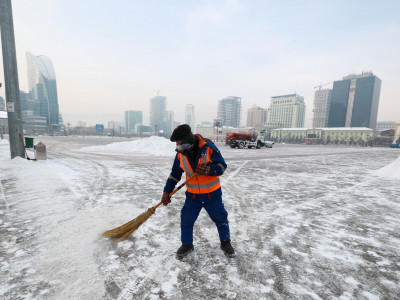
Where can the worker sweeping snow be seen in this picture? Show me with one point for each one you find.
(198, 155)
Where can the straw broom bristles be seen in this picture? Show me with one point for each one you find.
(124, 231)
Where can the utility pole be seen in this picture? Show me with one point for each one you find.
(11, 80)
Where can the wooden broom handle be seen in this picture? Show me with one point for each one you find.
(177, 189)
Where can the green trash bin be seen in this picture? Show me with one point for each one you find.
(28, 142)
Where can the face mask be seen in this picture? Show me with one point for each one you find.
(183, 147)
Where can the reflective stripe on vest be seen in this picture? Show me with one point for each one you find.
(199, 184)
(204, 185)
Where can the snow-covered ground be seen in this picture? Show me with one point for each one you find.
(307, 222)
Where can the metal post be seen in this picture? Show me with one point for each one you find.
(11, 80)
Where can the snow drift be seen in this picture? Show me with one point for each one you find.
(154, 146)
(392, 170)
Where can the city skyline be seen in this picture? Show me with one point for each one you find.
(113, 57)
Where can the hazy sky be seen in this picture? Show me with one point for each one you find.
(112, 56)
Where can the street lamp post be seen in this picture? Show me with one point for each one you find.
(11, 80)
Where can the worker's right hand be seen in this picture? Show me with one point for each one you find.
(166, 199)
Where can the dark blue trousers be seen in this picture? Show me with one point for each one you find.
(212, 203)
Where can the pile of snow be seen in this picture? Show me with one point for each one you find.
(154, 146)
(392, 170)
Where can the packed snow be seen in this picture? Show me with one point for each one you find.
(307, 222)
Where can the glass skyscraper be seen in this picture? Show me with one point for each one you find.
(189, 116)
(43, 87)
(158, 113)
(355, 101)
(230, 111)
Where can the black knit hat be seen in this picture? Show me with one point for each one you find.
(184, 134)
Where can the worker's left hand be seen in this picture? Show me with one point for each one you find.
(202, 169)
(166, 199)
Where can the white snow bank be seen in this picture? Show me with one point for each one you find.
(154, 145)
(4, 142)
(392, 170)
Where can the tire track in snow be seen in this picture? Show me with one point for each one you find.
(235, 172)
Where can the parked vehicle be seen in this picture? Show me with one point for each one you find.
(394, 145)
(247, 139)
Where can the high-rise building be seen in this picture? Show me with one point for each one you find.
(2, 104)
(230, 111)
(158, 113)
(322, 102)
(355, 101)
(169, 124)
(131, 118)
(286, 111)
(189, 116)
(43, 87)
(256, 116)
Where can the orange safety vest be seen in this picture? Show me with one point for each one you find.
(199, 184)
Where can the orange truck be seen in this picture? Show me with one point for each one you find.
(251, 139)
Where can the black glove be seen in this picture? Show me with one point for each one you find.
(166, 199)
(202, 169)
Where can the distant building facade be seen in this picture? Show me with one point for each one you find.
(230, 111)
(43, 88)
(131, 118)
(338, 135)
(256, 116)
(143, 130)
(189, 116)
(286, 111)
(33, 123)
(322, 102)
(115, 128)
(169, 124)
(385, 125)
(355, 101)
(32, 120)
(396, 137)
(158, 113)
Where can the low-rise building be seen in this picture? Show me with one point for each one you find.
(396, 137)
(385, 125)
(331, 135)
(33, 123)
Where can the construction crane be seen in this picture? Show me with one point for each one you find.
(321, 85)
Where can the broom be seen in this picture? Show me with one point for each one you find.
(124, 231)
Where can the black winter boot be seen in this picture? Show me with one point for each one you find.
(184, 250)
(227, 248)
